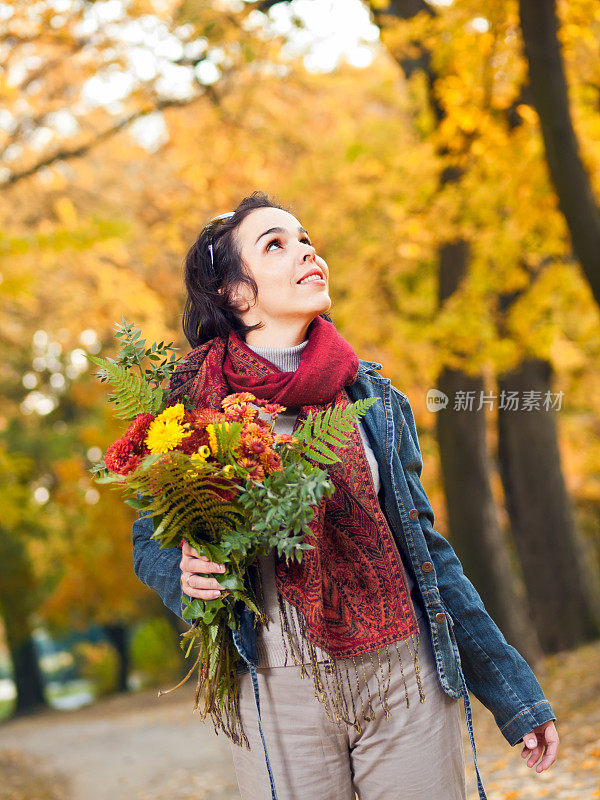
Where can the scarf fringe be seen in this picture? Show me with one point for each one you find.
(334, 679)
(336, 682)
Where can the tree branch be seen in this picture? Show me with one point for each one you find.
(76, 152)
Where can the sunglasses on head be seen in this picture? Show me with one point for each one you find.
(210, 226)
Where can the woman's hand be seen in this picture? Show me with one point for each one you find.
(545, 736)
(195, 585)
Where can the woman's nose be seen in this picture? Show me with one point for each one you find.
(310, 253)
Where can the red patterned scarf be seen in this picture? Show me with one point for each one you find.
(350, 591)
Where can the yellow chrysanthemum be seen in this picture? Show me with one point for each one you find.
(212, 439)
(228, 469)
(175, 412)
(165, 434)
(202, 454)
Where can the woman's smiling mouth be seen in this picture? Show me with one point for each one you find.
(314, 276)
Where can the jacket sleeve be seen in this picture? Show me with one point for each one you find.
(494, 670)
(157, 567)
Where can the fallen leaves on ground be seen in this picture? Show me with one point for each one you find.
(571, 682)
(22, 779)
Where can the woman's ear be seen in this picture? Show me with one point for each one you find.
(238, 296)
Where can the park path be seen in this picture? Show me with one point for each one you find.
(132, 747)
(141, 747)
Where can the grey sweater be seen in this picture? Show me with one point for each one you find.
(271, 650)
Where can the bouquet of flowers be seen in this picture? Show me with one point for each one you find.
(224, 481)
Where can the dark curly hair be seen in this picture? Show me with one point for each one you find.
(209, 312)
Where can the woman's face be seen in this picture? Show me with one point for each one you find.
(279, 255)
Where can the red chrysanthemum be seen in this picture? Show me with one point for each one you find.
(121, 457)
(224, 491)
(240, 412)
(191, 443)
(137, 430)
(253, 430)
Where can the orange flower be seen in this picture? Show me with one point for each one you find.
(206, 416)
(273, 409)
(255, 447)
(270, 461)
(239, 412)
(252, 431)
(287, 439)
(238, 397)
(255, 469)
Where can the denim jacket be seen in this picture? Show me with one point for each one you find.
(470, 651)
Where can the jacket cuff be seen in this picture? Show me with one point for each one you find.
(526, 720)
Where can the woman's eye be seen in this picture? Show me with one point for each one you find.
(278, 241)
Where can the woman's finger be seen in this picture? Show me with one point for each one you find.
(191, 561)
(189, 564)
(552, 742)
(549, 757)
(541, 743)
(199, 582)
(534, 755)
(197, 586)
(188, 550)
(198, 565)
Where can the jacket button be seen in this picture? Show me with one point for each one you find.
(413, 513)
(440, 616)
(427, 566)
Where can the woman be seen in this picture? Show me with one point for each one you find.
(380, 611)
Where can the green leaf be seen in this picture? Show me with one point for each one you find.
(194, 610)
(133, 396)
(230, 581)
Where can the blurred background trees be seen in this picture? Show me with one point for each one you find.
(428, 171)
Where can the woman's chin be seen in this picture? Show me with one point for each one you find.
(322, 304)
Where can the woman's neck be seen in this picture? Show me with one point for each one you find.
(287, 359)
(273, 335)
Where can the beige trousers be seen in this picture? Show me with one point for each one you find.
(416, 754)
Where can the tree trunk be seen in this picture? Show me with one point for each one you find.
(472, 519)
(119, 638)
(27, 675)
(562, 589)
(550, 97)
(461, 435)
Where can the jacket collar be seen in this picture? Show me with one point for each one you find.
(367, 366)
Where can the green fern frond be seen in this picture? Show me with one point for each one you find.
(185, 505)
(329, 429)
(133, 396)
(227, 436)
